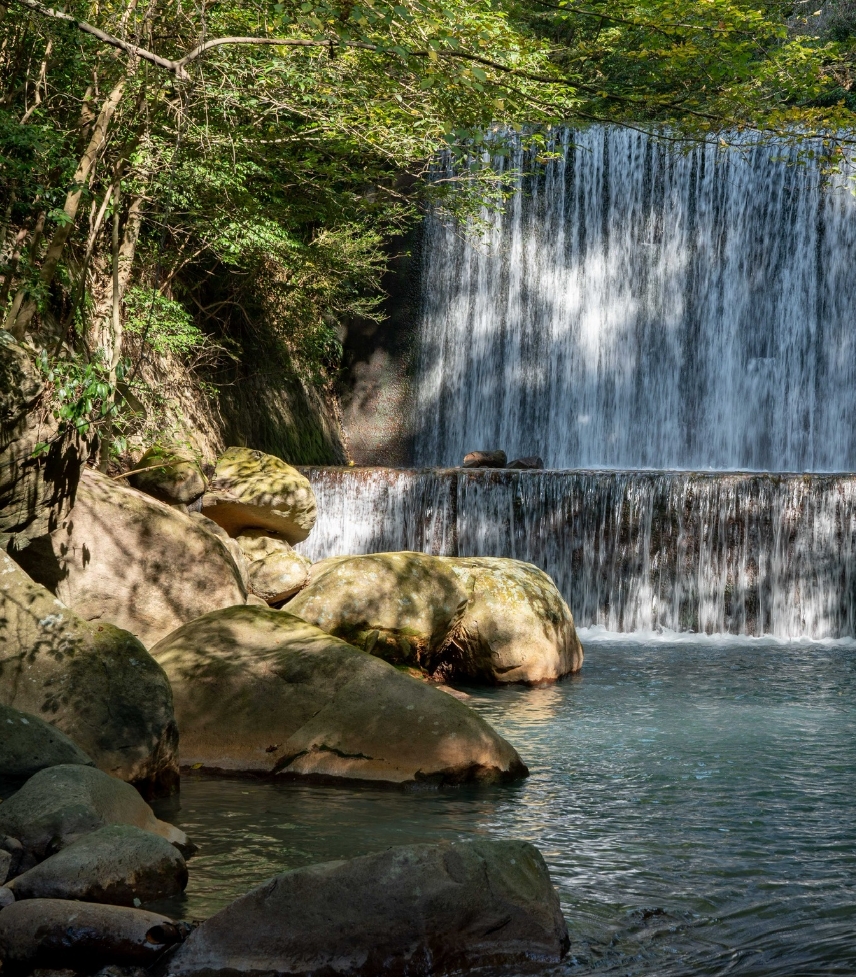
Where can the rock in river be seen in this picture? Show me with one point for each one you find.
(485, 460)
(117, 864)
(251, 489)
(401, 607)
(125, 558)
(414, 910)
(94, 682)
(61, 803)
(263, 691)
(517, 627)
(82, 936)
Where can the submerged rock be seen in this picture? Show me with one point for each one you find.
(125, 558)
(61, 803)
(169, 473)
(250, 489)
(94, 682)
(28, 744)
(263, 691)
(415, 910)
(117, 864)
(516, 628)
(401, 607)
(485, 460)
(82, 936)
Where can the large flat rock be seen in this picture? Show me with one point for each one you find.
(262, 691)
(411, 910)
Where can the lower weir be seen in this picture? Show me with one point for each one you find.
(747, 554)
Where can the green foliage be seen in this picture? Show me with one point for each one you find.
(82, 395)
(164, 324)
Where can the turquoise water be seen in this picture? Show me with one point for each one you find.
(693, 797)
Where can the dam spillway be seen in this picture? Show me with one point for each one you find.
(742, 553)
(670, 327)
(642, 305)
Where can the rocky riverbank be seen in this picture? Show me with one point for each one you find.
(167, 624)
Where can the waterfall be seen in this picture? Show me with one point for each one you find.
(749, 554)
(645, 306)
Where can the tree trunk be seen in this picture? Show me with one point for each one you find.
(97, 139)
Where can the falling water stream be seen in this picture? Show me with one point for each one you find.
(637, 306)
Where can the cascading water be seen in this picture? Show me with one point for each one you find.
(641, 307)
(748, 554)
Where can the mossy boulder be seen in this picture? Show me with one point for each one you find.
(516, 628)
(117, 864)
(170, 473)
(262, 691)
(253, 490)
(125, 558)
(459, 908)
(401, 607)
(60, 804)
(28, 744)
(93, 682)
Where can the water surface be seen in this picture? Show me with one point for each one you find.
(693, 798)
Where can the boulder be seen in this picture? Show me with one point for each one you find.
(250, 489)
(117, 864)
(93, 682)
(61, 803)
(485, 460)
(170, 473)
(12, 855)
(276, 571)
(83, 936)
(6, 897)
(279, 576)
(125, 558)
(529, 462)
(35, 493)
(516, 628)
(401, 607)
(259, 690)
(28, 744)
(414, 910)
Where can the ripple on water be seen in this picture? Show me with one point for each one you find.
(694, 801)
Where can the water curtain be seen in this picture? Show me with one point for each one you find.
(642, 305)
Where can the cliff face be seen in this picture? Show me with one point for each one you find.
(375, 386)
